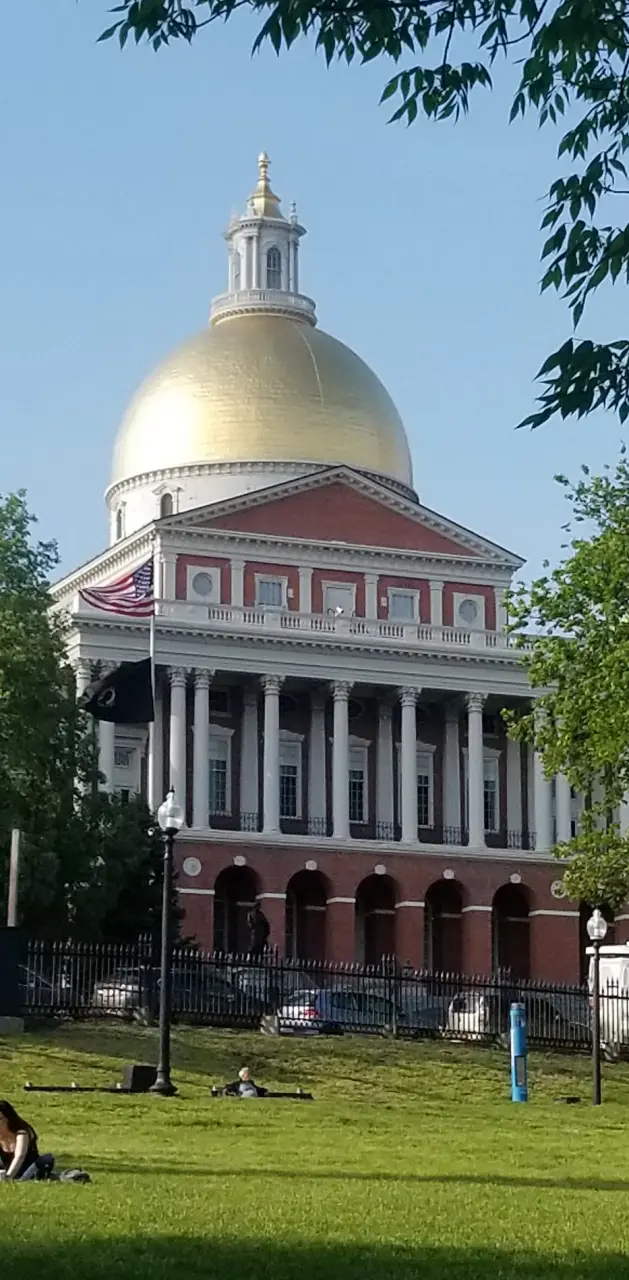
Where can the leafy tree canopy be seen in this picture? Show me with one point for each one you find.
(578, 662)
(573, 57)
(90, 864)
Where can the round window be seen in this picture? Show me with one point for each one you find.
(468, 612)
(202, 584)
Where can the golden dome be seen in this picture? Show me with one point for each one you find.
(262, 388)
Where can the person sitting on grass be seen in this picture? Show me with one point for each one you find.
(20, 1160)
(244, 1086)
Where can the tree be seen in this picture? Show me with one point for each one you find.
(578, 661)
(574, 59)
(90, 865)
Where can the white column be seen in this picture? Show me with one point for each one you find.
(340, 760)
(501, 612)
(238, 582)
(169, 575)
(475, 771)
(201, 751)
(249, 793)
(106, 743)
(452, 773)
(296, 266)
(436, 603)
(563, 808)
(530, 787)
(623, 815)
(385, 812)
(543, 807)
(371, 595)
(177, 754)
(514, 789)
(83, 676)
(155, 772)
(305, 590)
(256, 261)
(408, 765)
(271, 780)
(284, 273)
(317, 806)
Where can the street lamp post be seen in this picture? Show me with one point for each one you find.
(170, 816)
(597, 928)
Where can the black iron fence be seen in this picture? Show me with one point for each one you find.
(82, 980)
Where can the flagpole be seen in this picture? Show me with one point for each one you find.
(152, 780)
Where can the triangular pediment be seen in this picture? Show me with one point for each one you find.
(338, 505)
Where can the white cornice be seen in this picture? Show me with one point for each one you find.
(122, 555)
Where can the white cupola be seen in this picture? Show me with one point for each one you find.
(263, 259)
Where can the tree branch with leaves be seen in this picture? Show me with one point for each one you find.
(574, 62)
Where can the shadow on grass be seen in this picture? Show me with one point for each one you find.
(159, 1257)
(341, 1175)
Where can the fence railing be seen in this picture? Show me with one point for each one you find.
(81, 980)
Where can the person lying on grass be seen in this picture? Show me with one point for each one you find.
(244, 1086)
(20, 1160)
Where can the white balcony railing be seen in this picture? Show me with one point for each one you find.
(234, 619)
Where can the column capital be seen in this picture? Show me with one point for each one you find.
(202, 678)
(317, 698)
(250, 696)
(178, 677)
(452, 712)
(82, 669)
(385, 708)
(408, 697)
(271, 684)
(341, 690)
(475, 701)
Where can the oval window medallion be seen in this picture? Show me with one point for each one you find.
(191, 867)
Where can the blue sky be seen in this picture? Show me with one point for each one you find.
(120, 171)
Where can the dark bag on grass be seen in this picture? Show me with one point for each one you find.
(74, 1175)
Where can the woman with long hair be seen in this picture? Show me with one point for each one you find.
(20, 1160)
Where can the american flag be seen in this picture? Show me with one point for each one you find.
(131, 595)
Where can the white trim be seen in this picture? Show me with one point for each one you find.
(411, 592)
(464, 909)
(212, 572)
(294, 740)
(459, 598)
(542, 911)
(275, 578)
(349, 901)
(278, 897)
(409, 904)
(222, 733)
(199, 893)
(421, 749)
(491, 755)
(617, 919)
(359, 745)
(330, 584)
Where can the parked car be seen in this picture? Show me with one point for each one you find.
(332, 1010)
(268, 985)
(35, 988)
(484, 1014)
(198, 990)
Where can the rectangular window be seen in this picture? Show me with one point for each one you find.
(339, 598)
(219, 775)
(402, 605)
(122, 757)
(270, 592)
(425, 805)
(490, 795)
(358, 784)
(290, 779)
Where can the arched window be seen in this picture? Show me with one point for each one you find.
(166, 505)
(273, 269)
(119, 523)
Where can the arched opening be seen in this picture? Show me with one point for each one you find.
(585, 911)
(511, 931)
(119, 523)
(375, 919)
(235, 892)
(306, 898)
(444, 927)
(166, 505)
(273, 268)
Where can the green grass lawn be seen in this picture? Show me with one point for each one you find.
(411, 1163)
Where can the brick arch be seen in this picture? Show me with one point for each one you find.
(305, 919)
(235, 891)
(444, 901)
(511, 929)
(375, 924)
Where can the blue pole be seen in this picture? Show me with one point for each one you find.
(519, 1090)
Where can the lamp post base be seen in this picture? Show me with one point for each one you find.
(164, 1087)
